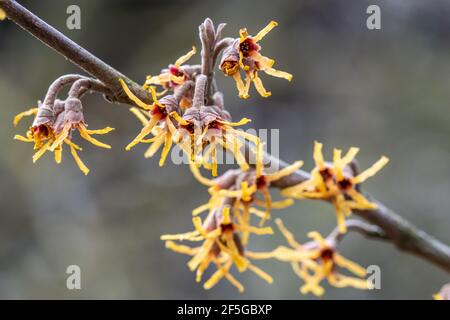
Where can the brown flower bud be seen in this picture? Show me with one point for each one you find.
(230, 59)
(44, 116)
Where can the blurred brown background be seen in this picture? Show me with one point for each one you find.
(385, 91)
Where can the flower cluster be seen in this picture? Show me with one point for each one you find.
(53, 127)
(199, 132)
(316, 261)
(172, 77)
(337, 183)
(187, 110)
(244, 55)
(221, 246)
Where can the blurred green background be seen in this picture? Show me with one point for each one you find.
(385, 91)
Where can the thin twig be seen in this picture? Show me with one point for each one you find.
(82, 86)
(57, 85)
(72, 51)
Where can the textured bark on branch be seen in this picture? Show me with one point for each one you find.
(395, 229)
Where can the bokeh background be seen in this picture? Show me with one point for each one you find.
(385, 91)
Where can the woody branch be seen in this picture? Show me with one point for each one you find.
(386, 223)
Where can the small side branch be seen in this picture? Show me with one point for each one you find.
(367, 230)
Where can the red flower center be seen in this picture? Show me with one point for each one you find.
(345, 184)
(227, 227)
(175, 71)
(327, 254)
(326, 174)
(248, 46)
(261, 182)
(41, 130)
(158, 111)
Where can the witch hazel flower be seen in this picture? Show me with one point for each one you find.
(221, 246)
(245, 55)
(334, 181)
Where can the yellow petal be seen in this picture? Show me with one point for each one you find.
(248, 81)
(70, 143)
(201, 254)
(318, 238)
(341, 281)
(240, 262)
(178, 118)
(263, 62)
(351, 154)
(262, 274)
(237, 193)
(197, 175)
(261, 34)
(234, 282)
(213, 158)
(245, 135)
(29, 112)
(166, 149)
(260, 87)
(144, 132)
(350, 265)
(287, 234)
(161, 79)
(58, 155)
(155, 97)
(99, 131)
(341, 221)
(133, 98)
(180, 236)
(215, 278)
(177, 80)
(243, 34)
(202, 268)
(78, 161)
(241, 122)
(259, 255)
(285, 171)
(255, 230)
(318, 155)
(198, 226)
(282, 203)
(201, 209)
(41, 151)
(181, 60)
(85, 135)
(61, 136)
(242, 89)
(247, 191)
(181, 248)
(360, 201)
(338, 167)
(154, 147)
(377, 166)
(279, 74)
(22, 138)
(226, 218)
(259, 213)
